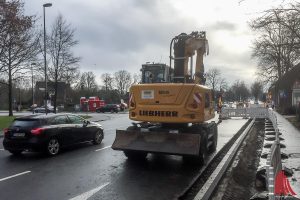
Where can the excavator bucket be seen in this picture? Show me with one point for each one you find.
(157, 142)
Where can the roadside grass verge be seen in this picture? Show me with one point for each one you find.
(5, 121)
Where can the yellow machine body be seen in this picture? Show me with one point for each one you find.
(171, 103)
(172, 106)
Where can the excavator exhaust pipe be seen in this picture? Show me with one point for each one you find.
(158, 142)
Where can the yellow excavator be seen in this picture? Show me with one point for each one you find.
(172, 106)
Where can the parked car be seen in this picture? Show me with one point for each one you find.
(109, 108)
(50, 109)
(49, 133)
(123, 106)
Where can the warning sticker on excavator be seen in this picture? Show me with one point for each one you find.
(198, 98)
(147, 94)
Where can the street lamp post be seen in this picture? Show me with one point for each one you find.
(32, 86)
(45, 58)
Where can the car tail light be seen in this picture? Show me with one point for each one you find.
(37, 131)
(5, 131)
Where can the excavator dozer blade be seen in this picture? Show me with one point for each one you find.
(157, 142)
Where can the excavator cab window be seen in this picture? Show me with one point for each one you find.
(154, 76)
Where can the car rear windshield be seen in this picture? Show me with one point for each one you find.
(26, 123)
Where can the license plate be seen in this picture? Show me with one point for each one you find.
(19, 134)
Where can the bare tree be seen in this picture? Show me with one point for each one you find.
(63, 62)
(213, 78)
(71, 76)
(223, 84)
(256, 89)
(108, 81)
(122, 80)
(240, 90)
(88, 81)
(278, 43)
(18, 42)
(137, 78)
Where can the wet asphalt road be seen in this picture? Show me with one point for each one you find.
(98, 172)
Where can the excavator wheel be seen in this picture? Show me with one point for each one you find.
(202, 157)
(135, 155)
(213, 146)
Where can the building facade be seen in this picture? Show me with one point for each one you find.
(286, 91)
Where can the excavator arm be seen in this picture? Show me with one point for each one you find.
(185, 46)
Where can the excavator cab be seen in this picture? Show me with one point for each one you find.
(155, 73)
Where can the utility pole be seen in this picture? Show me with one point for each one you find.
(45, 56)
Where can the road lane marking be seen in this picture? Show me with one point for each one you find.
(103, 148)
(1, 149)
(9, 177)
(88, 194)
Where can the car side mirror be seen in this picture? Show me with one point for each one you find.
(86, 122)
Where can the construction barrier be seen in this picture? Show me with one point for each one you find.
(252, 112)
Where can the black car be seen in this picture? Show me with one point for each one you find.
(49, 133)
(109, 108)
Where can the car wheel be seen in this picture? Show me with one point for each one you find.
(53, 147)
(112, 110)
(16, 152)
(98, 137)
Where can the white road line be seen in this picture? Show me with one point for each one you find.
(103, 148)
(1, 149)
(88, 194)
(9, 177)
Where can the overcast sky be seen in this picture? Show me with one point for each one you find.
(124, 34)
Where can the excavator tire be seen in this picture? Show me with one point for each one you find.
(214, 139)
(135, 155)
(203, 153)
(202, 157)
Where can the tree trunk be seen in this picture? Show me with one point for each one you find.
(10, 91)
(55, 95)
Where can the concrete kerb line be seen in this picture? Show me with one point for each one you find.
(274, 163)
(210, 185)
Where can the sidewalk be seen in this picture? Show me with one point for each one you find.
(291, 137)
